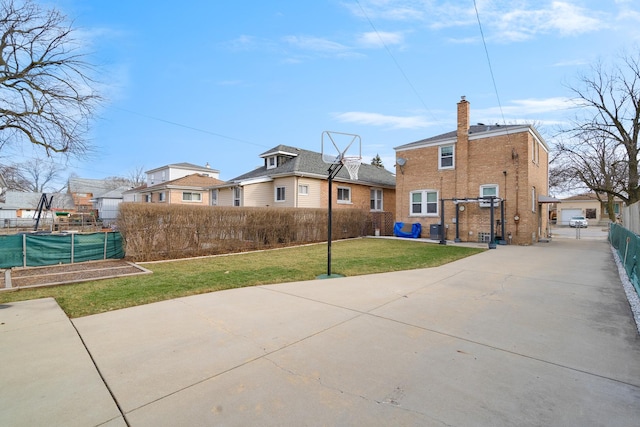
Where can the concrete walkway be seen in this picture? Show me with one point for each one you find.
(527, 336)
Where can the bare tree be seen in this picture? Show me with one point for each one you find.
(606, 132)
(46, 93)
(35, 175)
(594, 163)
(137, 177)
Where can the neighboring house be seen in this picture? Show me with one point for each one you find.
(107, 204)
(178, 170)
(19, 208)
(190, 189)
(587, 205)
(297, 178)
(509, 162)
(84, 191)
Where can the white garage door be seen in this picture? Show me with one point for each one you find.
(566, 214)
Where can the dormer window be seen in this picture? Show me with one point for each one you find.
(272, 162)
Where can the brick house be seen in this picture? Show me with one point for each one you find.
(297, 178)
(459, 170)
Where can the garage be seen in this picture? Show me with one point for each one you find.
(566, 214)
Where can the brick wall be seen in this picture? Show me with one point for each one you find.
(504, 160)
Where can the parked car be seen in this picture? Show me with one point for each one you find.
(578, 221)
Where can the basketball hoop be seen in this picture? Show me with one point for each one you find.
(352, 164)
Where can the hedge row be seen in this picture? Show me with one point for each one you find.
(158, 231)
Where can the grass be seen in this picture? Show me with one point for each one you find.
(189, 277)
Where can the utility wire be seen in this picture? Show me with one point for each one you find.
(191, 127)
(486, 51)
(413, 88)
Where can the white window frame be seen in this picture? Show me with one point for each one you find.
(482, 194)
(272, 162)
(191, 198)
(534, 199)
(147, 198)
(340, 193)
(376, 198)
(280, 194)
(214, 197)
(424, 203)
(161, 196)
(237, 196)
(453, 157)
(303, 189)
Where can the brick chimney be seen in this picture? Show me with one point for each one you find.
(463, 118)
(462, 149)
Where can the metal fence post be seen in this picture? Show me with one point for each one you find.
(72, 245)
(24, 250)
(105, 245)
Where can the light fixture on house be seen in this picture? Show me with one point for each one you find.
(401, 162)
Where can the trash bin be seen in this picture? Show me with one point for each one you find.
(435, 231)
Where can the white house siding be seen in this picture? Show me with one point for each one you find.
(260, 194)
(289, 183)
(108, 209)
(225, 197)
(312, 200)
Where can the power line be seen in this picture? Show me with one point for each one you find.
(190, 127)
(486, 51)
(396, 62)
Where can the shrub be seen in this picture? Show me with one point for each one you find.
(160, 231)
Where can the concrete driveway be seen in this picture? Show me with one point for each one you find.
(527, 336)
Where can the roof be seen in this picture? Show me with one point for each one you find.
(586, 197)
(114, 194)
(185, 165)
(97, 187)
(21, 200)
(191, 181)
(475, 132)
(310, 163)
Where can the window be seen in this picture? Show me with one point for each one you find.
(161, 196)
(237, 196)
(272, 162)
(376, 199)
(280, 194)
(214, 197)
(147, 198)
(535, 151)
(344, 195)
(445, 154)
(534, 199)
(424, 202)
(191, 197)
(489, 190)
(590, 213)
(303, 190)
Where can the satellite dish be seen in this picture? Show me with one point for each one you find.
(400, 161)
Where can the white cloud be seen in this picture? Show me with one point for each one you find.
(380, 39)
(503, 20)
(316, 44)
(542, 109)
(377, 119)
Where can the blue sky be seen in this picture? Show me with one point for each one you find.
(223, 81)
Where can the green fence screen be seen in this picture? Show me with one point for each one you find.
(34, 250)
(627, 244)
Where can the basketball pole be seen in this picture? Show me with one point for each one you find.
(333, 171)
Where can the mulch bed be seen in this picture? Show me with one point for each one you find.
(68, 273)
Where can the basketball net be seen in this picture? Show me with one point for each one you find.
(353, 165)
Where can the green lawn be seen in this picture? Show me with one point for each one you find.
(188, 277)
